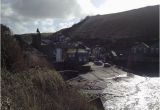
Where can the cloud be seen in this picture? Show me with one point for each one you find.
(113, 6)
(46, 8)
(24, 16)
(93, 7)
(87, 7)
(66, 24)
(97, 3)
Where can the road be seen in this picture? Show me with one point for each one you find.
(119, 90)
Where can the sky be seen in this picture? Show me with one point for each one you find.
(25, 16)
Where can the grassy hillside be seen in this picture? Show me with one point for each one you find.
(38, 87)
(134, 25)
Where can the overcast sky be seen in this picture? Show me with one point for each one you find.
(25, 16)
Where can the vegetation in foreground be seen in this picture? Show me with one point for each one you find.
(39, 88)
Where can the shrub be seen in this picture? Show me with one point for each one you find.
(12, 55)
(39, 89)
(33, 88)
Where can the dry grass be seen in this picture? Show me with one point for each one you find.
(12, 54)
(15, 57)
(39, 89)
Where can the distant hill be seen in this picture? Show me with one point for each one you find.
(42, 34)
(130, 26)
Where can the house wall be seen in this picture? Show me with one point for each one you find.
(79, 58)
(59, 55)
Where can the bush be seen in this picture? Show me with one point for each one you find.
(33, 88)
(12, 55)
(39, 89)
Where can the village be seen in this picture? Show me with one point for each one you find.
(67, 54)
(96, 71)
(80, 55)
